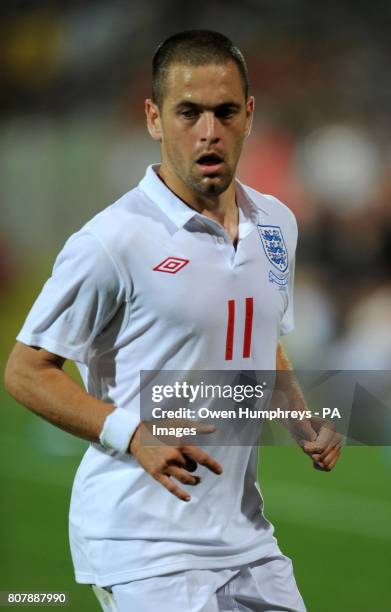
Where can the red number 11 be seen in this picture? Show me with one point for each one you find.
(248, 327)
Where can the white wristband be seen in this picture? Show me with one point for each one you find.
(117, 430)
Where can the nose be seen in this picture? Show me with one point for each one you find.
(209, 127)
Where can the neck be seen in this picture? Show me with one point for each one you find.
(221, 208)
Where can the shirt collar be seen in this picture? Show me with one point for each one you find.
(179, 213)
(157, 191)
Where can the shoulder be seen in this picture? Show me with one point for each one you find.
(115, 228)
(84, 261)
(96, 250)
(115, 223)
(272, 211)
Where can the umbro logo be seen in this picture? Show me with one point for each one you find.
(172, 265)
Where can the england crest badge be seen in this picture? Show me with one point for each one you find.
(274, 246)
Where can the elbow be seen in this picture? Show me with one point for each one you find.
(16, 373)
(27, 370)
(11, 376)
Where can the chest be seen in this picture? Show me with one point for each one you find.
(197, 280)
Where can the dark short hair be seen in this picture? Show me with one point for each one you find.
(194, 48)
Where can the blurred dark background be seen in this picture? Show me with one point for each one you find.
(73, 79)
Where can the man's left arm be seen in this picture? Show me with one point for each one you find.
(317, 437)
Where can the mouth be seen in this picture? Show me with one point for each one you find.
(210, 163)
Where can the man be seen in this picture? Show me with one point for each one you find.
(176, 275)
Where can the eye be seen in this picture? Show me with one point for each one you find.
(189, 113)
(225, 112)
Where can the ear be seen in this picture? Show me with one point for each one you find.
(152, 114)
(250, 105)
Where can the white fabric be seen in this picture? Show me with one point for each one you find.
(108, 308)
(263, 586)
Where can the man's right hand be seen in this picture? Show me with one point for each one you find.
(163, 462)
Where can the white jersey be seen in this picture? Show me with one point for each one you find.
(151, 284)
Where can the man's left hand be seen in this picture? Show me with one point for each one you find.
(325, 448)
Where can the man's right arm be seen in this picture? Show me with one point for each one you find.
(35, 378)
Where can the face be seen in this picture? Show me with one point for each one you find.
(201, 127)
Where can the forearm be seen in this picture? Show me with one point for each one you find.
(286, 381)
(318, 439)
(41, 385)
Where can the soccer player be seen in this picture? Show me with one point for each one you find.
(190, 270)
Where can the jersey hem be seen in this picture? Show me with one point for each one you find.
(105, 580)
